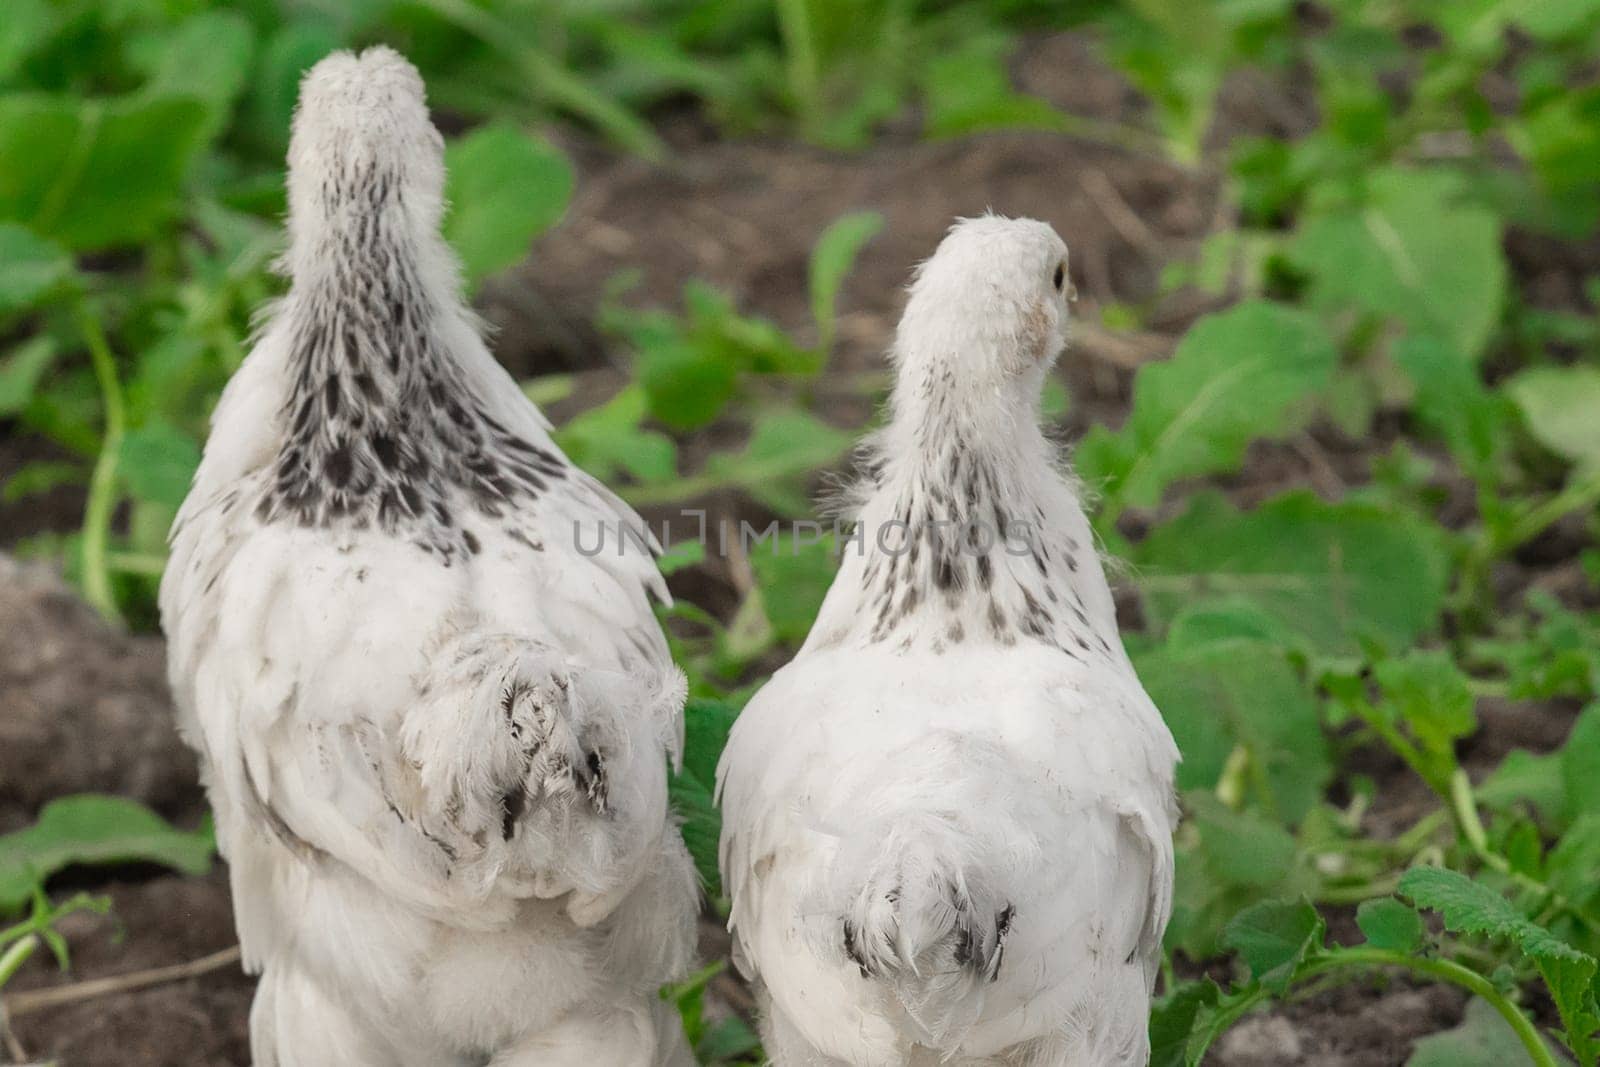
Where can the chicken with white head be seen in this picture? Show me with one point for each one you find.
(947, 824)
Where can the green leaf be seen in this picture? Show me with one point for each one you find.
(1174, 1018)
(33, 268)
(1524, 777)
(1561, 141)
(706, 726)
(608, 439)
(1484, 1039)
(1328, 574)
(207, 57)
(835, 253)
(785, 446)
(1432, 696)
(687, 385)
(1559, 404)
(1413, 251)
(1454, 402)
(690, 366)
(1580, 763)
(33, 478)
(1222, 619)
(1238, 691)
(1469, 907)
(1244, 849)
(505, 188)
(681, 556)
(727, 1040)
(1390, 924)
(285, 58)
(1237, 376)
(20, 372)
(95, 174)
(1574, 862)
(969, 89)
(158, 461)
(1274, 938)
(793, 577)
(94, 829)
(27, 25)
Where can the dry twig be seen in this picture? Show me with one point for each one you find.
(34, 1000)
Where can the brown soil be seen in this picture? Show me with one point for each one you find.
(82, 708)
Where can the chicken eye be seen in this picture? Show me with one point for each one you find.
(1061, 275)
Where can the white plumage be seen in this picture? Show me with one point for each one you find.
(435, 732)
(947, 824)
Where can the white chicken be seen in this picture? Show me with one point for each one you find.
(434, 724)
(947, 824)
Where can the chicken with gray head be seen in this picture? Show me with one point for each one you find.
(434, 729)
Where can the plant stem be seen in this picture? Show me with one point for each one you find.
(15, 956)
(1464, 810)
(1447, 971)
(550, 78)
(102, 500)
(1575, 496)
(1443, 970)
(800, 51)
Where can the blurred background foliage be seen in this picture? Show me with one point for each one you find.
(1361, 279)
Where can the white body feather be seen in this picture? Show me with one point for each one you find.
(394, 735)
(947, 824)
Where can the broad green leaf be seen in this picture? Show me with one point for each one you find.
(286, 56)
(1390, 924)
(1574, 862)
(706, 726)
(1328, 574)
(1560, 139)
(1226, 861)
(32, 268)
(1412, 251)
(1580, 763)
(1484, 1039)
(1222, 619)
(687, 385)
(1173, 1019)
(33, 478)
(20, 372)
(1244, 849)
(1470, 907)
(1454, 402)
(729, 1039)
(785, 446)
(1431, 695)
(27, 25)
(1237, 376)
(607, 439)
(1549, 20)
(158, 461)
(969, 89)
(681, 556)
(1524, 777)
(94, 829)
(793, 574)
(1274, 938)
(1558, 405)
(95, 174)
(835, 253)
(505, 188)
(1238, 691)
(206, 57)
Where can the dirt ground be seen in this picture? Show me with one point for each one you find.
(82, 708)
